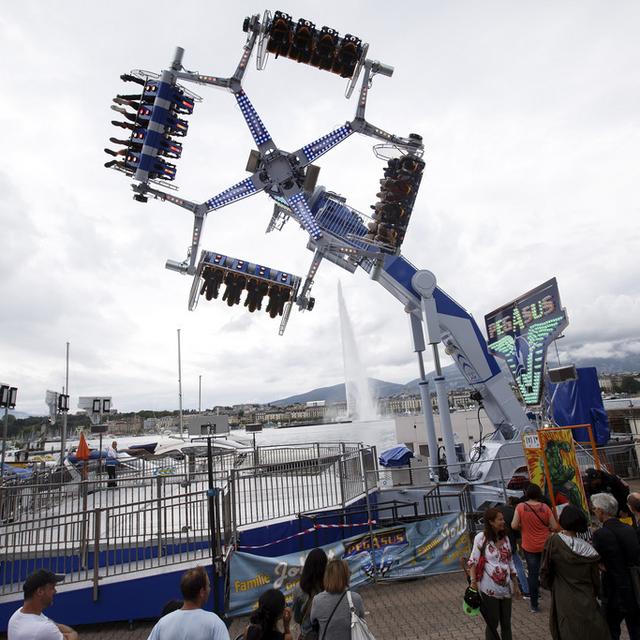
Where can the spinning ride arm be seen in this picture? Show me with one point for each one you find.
(463, 341)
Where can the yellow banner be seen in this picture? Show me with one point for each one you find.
(553, 466)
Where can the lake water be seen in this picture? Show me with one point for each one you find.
(381, 433)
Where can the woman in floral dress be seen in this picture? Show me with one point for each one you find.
(493, 574)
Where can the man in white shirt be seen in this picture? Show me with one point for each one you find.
(111, 463)
(191, 622)
(28, 622)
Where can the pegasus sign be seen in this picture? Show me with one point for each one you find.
(521, 331)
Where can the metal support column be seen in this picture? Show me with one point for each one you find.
(425, 395)
(424, 282)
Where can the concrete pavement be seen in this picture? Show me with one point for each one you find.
(424, 609)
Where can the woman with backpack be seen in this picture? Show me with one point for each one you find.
(534, 519)
(311, 584)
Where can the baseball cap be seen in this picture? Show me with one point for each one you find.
(40, 578)
(471, 602)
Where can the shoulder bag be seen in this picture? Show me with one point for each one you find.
(537, 515)
(359, 628)
(326, 626)
(482, 561)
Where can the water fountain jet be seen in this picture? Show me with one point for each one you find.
(362, 406)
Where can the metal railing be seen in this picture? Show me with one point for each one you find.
(278, 489)
(620, 459)
(90, 531)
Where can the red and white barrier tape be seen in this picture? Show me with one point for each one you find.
(309, 530)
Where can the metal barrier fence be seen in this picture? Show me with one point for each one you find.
(276, 490)
(90, 531)
(621, 460)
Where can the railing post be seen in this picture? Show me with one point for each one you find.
(504, 486)
(369, 514)
(159, 515)
(96, 553)
(84, 532)
(341, 474)
(234, 515)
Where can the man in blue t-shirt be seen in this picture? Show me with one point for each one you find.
(191, 622)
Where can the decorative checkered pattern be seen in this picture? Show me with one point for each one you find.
(258, 130)
(300, 207)
(320, 146)
(237, 192)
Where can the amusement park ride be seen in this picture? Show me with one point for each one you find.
(155, 120)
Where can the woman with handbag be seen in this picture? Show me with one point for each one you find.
(534, 519)
(331, 609)
(311, 584)
(493, 574)
(570, 569)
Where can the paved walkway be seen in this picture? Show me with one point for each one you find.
(427, 608)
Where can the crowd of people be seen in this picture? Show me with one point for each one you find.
(592, 573)
(322, 606)
(590, 568)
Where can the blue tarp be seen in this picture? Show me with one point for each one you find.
(580, 402)
(94, 454)
(397, 457)
(22, 472)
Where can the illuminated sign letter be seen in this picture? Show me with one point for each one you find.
(521, 331)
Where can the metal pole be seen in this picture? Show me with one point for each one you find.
(200, 394)
(445, 417)
(96, 553)
(63, 439)
(180, 384)
(5, 431)
(425, 395)
(368, 503)
(212, 526)
(100, 462)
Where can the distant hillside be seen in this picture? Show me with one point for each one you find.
(382, 389)
(626, 363)
(336, 393)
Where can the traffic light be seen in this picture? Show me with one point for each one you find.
(153, 118)
(238, 276)
(63, 403)
(8, 396)
(396, 198)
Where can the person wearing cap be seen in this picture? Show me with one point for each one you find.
(28, 622)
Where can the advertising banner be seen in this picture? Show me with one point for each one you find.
(522, 330)
(414, 549)
(553, 466)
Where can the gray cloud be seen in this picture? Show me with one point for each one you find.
(530, 120)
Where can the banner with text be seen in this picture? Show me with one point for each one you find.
(426, 547)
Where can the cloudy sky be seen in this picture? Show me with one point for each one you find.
(530, 114)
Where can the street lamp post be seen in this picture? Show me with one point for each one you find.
(8, 397)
